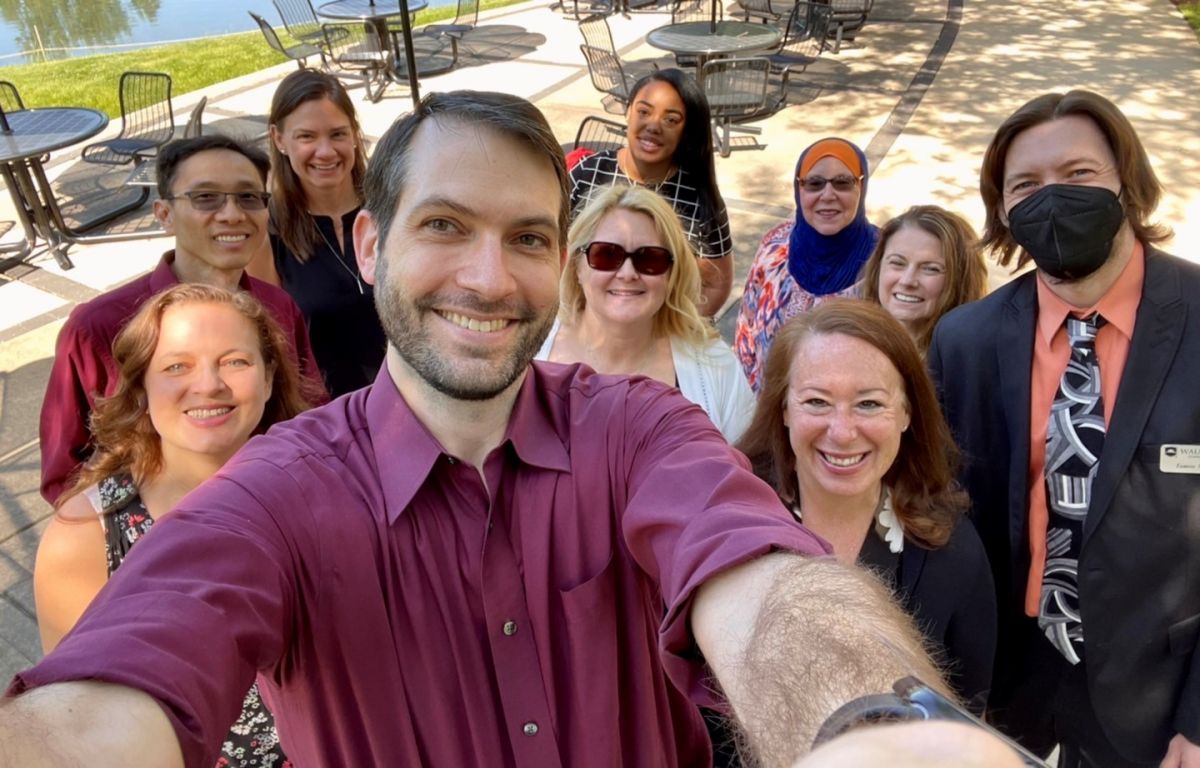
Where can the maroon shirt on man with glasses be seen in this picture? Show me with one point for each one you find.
(402, 612)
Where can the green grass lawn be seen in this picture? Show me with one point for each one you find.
(1191, 12)
(91, 81)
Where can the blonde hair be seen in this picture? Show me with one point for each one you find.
(678, 316)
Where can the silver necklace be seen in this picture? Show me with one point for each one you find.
(340, 257)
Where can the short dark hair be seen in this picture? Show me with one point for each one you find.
(508, 115)
(925, 496)
(1140, 188)
(173, 153)
(695, 151)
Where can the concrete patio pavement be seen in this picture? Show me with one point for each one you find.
(921, 90)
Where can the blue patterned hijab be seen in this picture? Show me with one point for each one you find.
(825, 264)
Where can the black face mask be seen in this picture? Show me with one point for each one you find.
(1068, 229)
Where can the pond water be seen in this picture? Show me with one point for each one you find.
(31, 29)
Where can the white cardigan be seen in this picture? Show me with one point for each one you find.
(709, 375)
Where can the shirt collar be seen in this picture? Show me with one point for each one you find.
(163, 276)
(406, 451)
(1118, 305)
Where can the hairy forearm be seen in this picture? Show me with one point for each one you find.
(86, 723)
(791, 639)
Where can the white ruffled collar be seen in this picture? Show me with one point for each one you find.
(887, 526)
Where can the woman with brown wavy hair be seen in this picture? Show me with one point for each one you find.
(849, 433)
(927, 262)
(201, 370)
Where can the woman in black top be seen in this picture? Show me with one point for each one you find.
(318, 161)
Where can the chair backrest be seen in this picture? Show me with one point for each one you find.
(596, 33)
(195, 123)
(10, 97)
(599, 134)
(695, 10)
(850, 14)
(807, 28)
(736, 87)
(146, 111)
(764, 9)
(606, 72)
(299, 18)
(269, 33)
(468, 13)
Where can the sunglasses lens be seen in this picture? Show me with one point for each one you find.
(843, 183)
(652, 260)
(251, 201)
(605, 257)
(608, 257)
(813, 183)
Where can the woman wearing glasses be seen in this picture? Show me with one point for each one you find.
(201, 369)
(628, 297)
(814, 257)
(668, 149)
(927, 262)
(318, 161)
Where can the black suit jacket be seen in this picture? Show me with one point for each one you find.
(949, 592)
(1139, 568)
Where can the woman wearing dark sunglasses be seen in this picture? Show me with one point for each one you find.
(628, 296)
(814, 257)
(668, 149)
(318, 161)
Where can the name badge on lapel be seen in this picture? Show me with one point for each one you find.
(1179, 459)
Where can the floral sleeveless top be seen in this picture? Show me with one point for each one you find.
(252, 741)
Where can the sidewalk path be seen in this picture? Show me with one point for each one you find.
(921, 89)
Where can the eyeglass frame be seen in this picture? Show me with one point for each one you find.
(636, 257)
(853, 181)
(262, 196)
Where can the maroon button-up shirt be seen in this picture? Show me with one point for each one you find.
(84, 367)
(403, 613)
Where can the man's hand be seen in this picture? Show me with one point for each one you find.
(790, 639)
(1181, 753)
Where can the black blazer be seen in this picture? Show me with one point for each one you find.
(1139, 568)
(950, 594)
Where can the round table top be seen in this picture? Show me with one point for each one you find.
(365, 9)
(45, 129)
(728, 37)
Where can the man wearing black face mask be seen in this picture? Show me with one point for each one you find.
(1074, 393)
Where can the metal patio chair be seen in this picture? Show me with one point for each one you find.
(609, 74)
(147, 120)
(466, 16)
(804, 37)
(766, 11)
(847, 17)
(299, 53)
(599, 134)
(356, 49)
(737, 90)
(10, 97)
(301, 22)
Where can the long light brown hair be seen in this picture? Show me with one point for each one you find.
(124, 437)
(925, 496)
(966, 272)
(289, 204)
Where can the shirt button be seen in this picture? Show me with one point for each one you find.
(530, 728)
(451, 459)
(510, 628)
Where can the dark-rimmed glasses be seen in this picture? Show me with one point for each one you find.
(841, 183)
(608, 257)
(209, 200)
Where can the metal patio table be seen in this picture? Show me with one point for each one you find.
(709, 39)
(31, 134)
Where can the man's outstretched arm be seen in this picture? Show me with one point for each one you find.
(791, 638)
(86, 723)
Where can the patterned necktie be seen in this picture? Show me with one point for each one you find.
(1074, 439)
